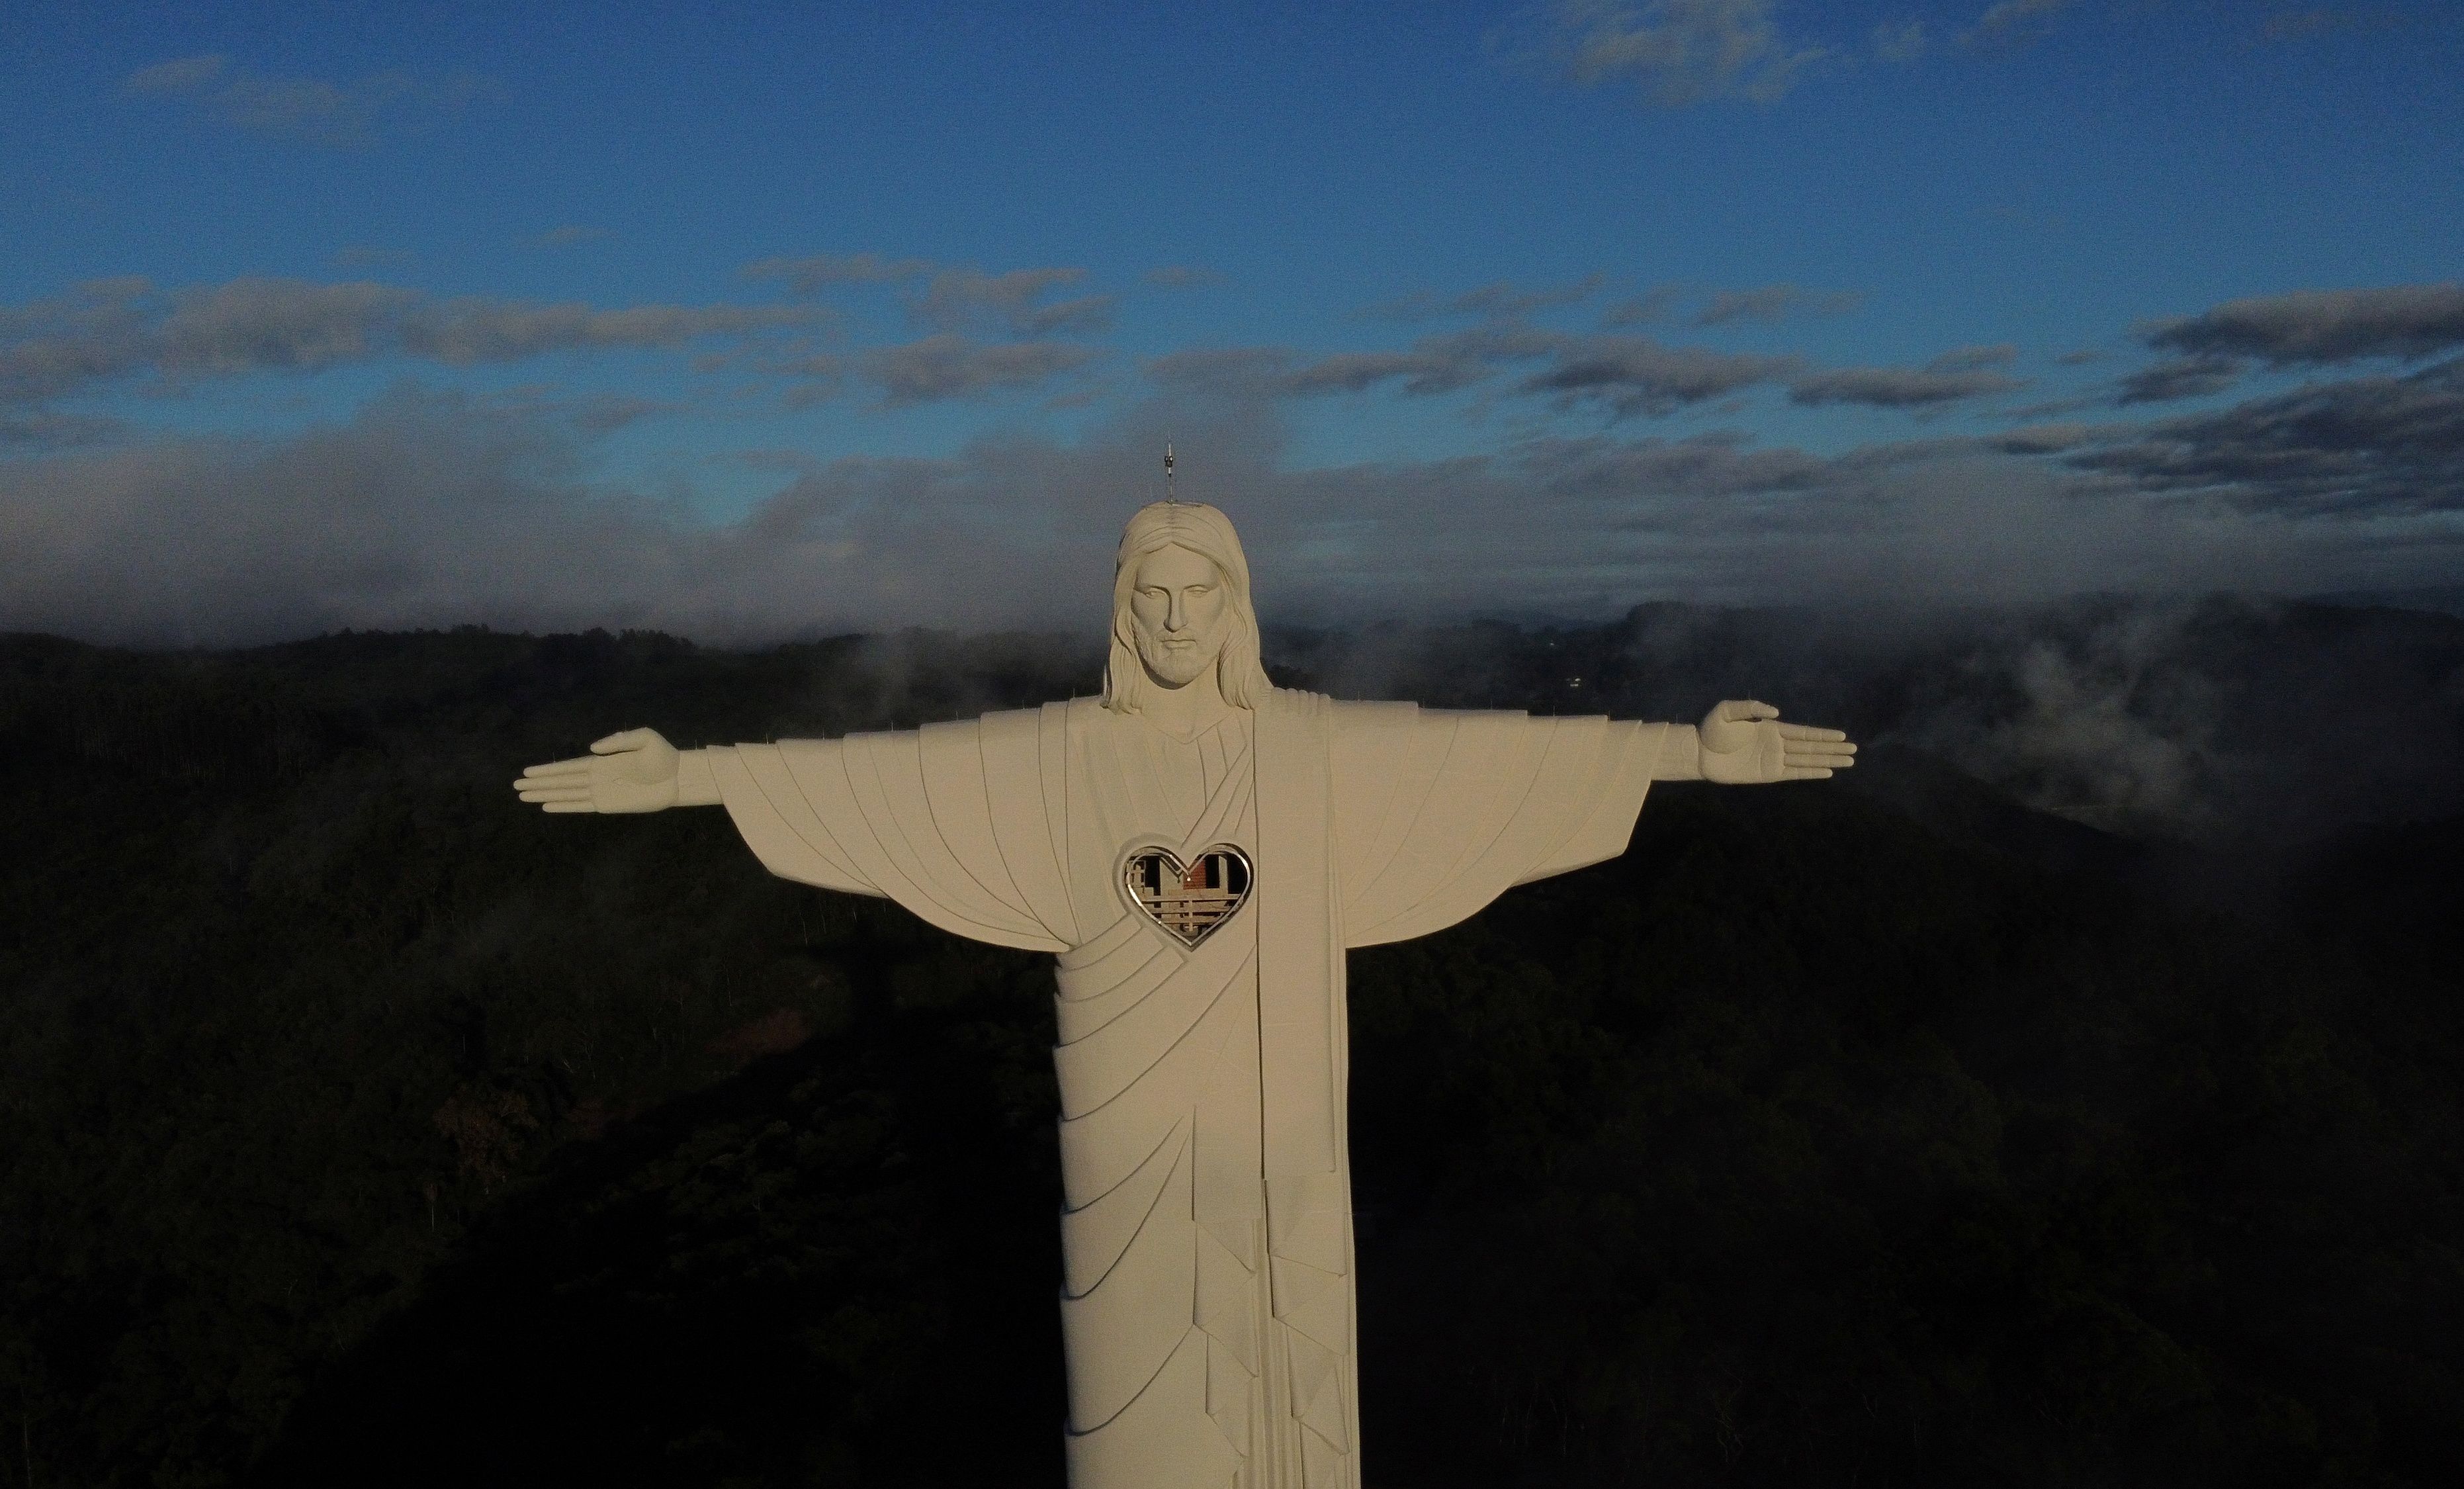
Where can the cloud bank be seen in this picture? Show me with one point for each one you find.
(429, 509)
(2323, 326)
(303, 110)
(1677, 53)
(433, 508)
(115, 329)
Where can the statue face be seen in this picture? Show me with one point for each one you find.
(1180, 614)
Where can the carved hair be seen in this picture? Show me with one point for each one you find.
(1208, 533)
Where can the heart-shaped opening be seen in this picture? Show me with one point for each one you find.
(1189, 899)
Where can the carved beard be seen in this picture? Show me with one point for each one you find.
(1179, 666)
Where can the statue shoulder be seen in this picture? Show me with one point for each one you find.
(1005, 719)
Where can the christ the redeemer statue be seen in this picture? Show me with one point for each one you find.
(1197, 848)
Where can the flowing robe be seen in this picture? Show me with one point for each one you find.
(1207, 1303)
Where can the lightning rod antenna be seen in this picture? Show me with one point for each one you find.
(1168, 496)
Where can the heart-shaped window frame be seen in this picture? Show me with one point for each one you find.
(1189, 901)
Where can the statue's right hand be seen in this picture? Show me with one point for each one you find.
(632, 772)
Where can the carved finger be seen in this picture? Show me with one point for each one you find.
(1735, 710)
(557, 793)
(577, 765)
(1821, 755)
(1792, 773)
(1807, 731)
(622, 740)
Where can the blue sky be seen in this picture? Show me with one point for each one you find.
(793, 318)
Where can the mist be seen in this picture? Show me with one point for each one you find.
(429, 509)
(2226, 723)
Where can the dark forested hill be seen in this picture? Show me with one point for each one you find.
(358, 1125)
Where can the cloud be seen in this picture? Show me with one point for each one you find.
(812, 274)
(1431, 365)
(1962, 358)
(1634, 374)
(2367, 446)
(1652, 304)
(1229, 371)
(47, 431)
(601, 414)
(2096, 717)
(1719, 463)
(429, 510)
(48, 348)
(361, 256)
(1678, 52)
(183, 76)
(117, 329)
(2042, 438)
(1624, 374)
(2013, 23)
(1949, 378)
(2319, 326)
(250, 324)
(2183, 377)
(960, 297)
(1183, 277)
(302, 110)
(1899, 41)
(112, 328)
(949, 365)
(570, 235)
(1774, 302)
(478, 329)
(1358, 371)
(2075, 403)
(955, 298)
(1501, 301)
(2373, 445)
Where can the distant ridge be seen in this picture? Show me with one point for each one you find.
(2444, 599)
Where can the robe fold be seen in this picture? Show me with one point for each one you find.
(1208, 1298)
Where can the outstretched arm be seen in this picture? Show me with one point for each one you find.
(907, 815)
(636, 771)
(1741, 742)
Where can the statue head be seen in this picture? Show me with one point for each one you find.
(1180, 605)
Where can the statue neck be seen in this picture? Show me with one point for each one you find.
(1187, 711)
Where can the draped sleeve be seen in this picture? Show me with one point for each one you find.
(949, 820)
(1438, 811)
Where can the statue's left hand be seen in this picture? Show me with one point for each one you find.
(1743, 743)
(631, 771)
